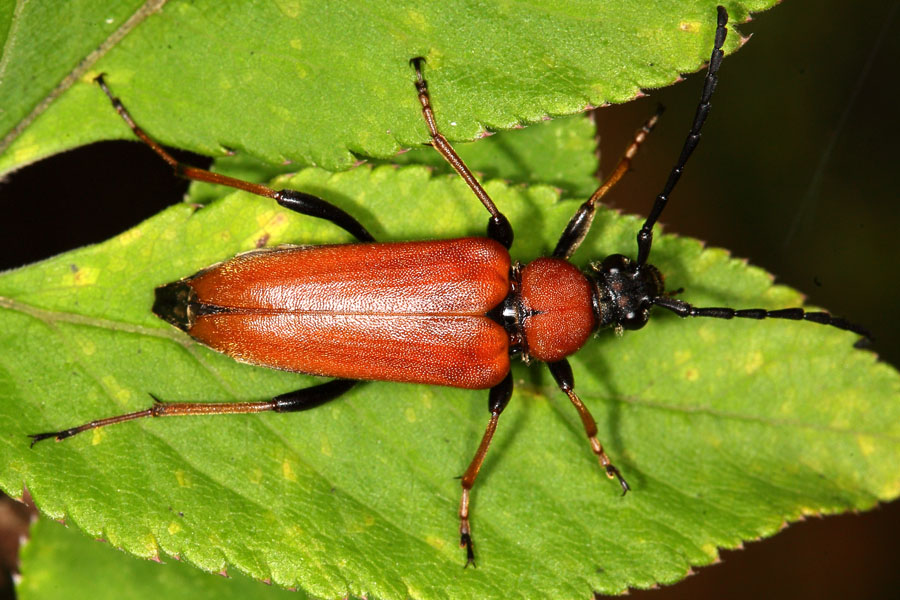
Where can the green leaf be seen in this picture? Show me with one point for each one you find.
(317, 83)
(59, 562)
(724, 429)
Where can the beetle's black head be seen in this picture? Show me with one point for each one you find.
(624, 291)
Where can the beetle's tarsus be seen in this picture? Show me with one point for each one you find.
(465, 541)
(613, 472)
(37, 437)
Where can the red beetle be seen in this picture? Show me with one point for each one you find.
(448, 312)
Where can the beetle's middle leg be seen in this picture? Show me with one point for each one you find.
(497, 400)
(562, 373)
(499, 228)
(300, 202)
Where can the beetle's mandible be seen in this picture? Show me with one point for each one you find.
(445, 312)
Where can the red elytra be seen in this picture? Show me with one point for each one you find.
(412, 312)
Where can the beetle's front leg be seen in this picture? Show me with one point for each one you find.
(497, 401)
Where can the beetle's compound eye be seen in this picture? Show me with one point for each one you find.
(615, 263)
(637, 318)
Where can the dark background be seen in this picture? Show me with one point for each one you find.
(797, 171)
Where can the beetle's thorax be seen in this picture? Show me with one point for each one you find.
(623, 292)
(548, 313)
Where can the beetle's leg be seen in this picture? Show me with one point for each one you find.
(300, 202)
(291, 402)
(499, 228)
(497, 401)
(581, 221)
(562, 373)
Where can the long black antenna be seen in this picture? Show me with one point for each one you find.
(645, 235)
(683, 309)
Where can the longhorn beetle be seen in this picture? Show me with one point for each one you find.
(445, 312)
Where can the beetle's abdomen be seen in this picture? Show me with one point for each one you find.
(409, 312)
(557, 302)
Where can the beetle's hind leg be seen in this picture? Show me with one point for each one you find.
(300, 202)
(302, 399)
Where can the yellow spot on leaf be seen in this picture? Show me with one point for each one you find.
(271, 223)
(753, 363)
(325, 445)
(682, 356)
(706, 334)
(26, 152)
(173, 528)
(416, 19)
(690, 26)
(150, 545)
(97, 436)
(183, 478)
(297, 44)
(272, 218)
(866, 444)
(79, 276)
(361, 526)
(692, 374)
(294, 533)
(410, 414)
(290, 8)
(287, 471)
(891, 490)
(130, 236)
(256, 475)
(121, 394)
(435, 542)
(87, 346)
